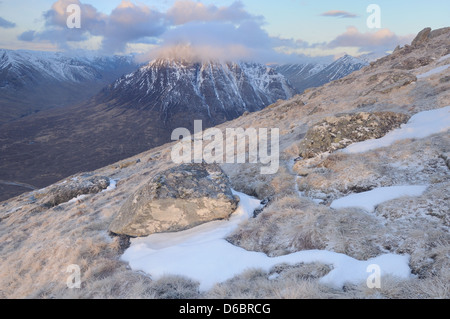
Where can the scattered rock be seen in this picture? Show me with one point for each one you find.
(386, 82)
(264, 204)
(446, 158)
(438, 32)
(335, 133)
(71, 188)
(177, 199)
(412, 63)
(367, 102)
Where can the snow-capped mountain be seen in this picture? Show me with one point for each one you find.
(23, 67)
(32, 80)
(304, 76)
(372, 56)
(213, 90)
(297, 74)
(340, 68)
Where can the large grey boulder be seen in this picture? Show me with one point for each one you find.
(335, 133)
(176, 199)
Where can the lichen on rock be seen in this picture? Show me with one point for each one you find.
(176, 199)
(337, 132)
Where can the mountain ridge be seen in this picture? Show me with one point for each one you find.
(32, 81)
(224, 90)
(305, 76)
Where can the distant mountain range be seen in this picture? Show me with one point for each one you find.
(305, 76)
(32, 81)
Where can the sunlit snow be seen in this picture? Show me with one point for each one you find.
(434, 71)
(420, 125)
(203, 254)
(370, 199)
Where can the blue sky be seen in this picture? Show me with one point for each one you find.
(272, 30)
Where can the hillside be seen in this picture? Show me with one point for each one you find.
(311, 227)
(136, 112)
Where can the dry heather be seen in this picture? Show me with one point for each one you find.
(301, 282)
(246, 178)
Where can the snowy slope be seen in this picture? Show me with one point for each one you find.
(420, 125)
(21, 65)
(304, 76)
(221, 91)
(32, 81)
(342, 67)
(301, 71)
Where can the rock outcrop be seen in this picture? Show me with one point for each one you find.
(176, 199)
(335, 133)
(71, 188)
(421, 37)
(386, 82)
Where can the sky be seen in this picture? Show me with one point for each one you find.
(268, 31)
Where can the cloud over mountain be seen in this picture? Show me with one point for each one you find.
(206, 31)
(369, 41)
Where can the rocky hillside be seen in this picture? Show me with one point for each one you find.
(333, 203)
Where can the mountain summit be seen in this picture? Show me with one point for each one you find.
(212, 91)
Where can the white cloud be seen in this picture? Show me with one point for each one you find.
(196, 30)
(187, 11)
(382, 39)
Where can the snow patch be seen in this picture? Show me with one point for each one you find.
(445, 57)
(369, 200)
(75, 199)
(420, 125)
(434, 71)
(203, 254)
(112, 185)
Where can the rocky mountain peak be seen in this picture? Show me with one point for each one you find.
(219, 90)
